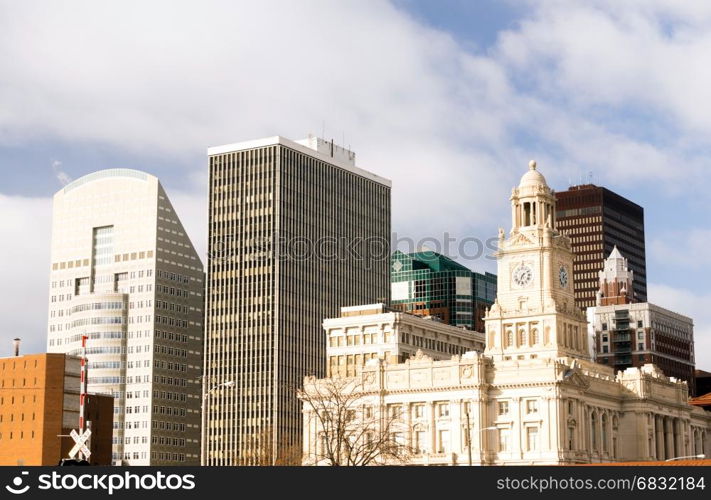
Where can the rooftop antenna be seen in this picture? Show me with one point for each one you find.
(323, 129)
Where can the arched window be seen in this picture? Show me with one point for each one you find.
(535, 337)
(522, 340)
(526, 214)
(509, 338)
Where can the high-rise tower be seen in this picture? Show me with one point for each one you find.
(296, 231)
(596, 220)
(125, 274)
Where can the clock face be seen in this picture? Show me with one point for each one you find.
(523, 275)
(563, 276)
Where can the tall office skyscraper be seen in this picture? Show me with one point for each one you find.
(597, 220)
(296, 231)
(125, 274)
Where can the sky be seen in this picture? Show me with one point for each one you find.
(449, 99)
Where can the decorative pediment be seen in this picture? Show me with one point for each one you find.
(520, 239)
(574, 378)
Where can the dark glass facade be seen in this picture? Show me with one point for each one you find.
(597, 219)
(430, 284)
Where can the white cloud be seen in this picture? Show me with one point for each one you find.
(685, 249)
(612, 87)
(26, 226)
(645, 53)
(690, 304)
(60, 174)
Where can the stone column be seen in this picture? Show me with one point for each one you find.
(480, 439)
(659, 437)
(433, 430)
(546, 426)
(516, 430)
(669, 438)
(408, 423)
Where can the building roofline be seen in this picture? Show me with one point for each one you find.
(278, 140)
(644, 305)
(106, 174)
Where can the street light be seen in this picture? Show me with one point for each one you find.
(700, 455)
(469, 437)
(223, 384)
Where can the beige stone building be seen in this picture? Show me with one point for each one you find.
(534, 396)
(372, 331)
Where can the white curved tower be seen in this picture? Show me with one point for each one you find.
(125, 274)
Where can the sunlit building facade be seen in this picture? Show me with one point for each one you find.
(125, 274)
(296, 231)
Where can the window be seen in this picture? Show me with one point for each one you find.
(419, 411)
(443, 409)
(503, 407)
(604, 326)
(531, 438)
(639, 324)
(442, 441)
(368, 412)
(605, 349)
(395, 411)
(397, 438)
(534, 336)
(419, 441)
(504, 439)
(532, 406)
(323, 444)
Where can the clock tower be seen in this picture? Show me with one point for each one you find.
(534, 315)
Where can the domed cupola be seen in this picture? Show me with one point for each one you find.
(532, 202)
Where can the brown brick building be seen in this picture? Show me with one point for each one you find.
(39, 402)
(597, 220)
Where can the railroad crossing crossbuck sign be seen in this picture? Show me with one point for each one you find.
(80, 440)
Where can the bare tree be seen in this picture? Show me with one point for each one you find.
(261, 451)
(353, 427)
